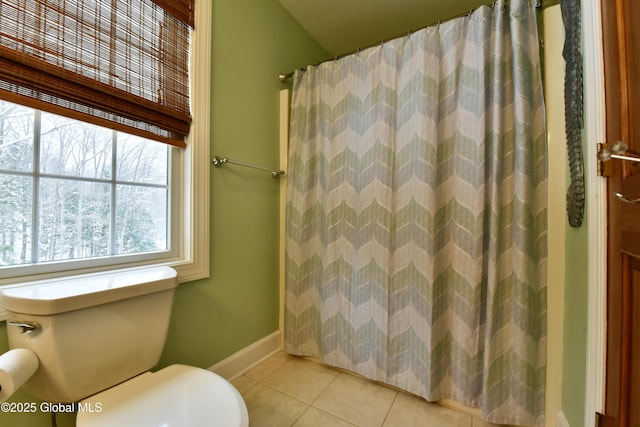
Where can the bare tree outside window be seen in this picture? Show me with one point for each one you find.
(71, 190)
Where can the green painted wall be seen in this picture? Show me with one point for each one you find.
(252, 42)
(574, 367)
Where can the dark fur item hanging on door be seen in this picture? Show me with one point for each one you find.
(573, 108)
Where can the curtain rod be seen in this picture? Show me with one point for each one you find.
(283, 77)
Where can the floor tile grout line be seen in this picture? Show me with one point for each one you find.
(256, 383)
(308, 405)
(336, 371)
(289, 395)
(273, 371)
(271, 389)
(304, 406)
(301, 415)
(386, 416)
(312, 405)
(284, 393)
(324, 389)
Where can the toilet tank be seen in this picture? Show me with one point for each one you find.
(95, 331)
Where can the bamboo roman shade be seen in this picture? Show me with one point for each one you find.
(122, 64)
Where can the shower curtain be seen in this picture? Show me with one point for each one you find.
(416, 214)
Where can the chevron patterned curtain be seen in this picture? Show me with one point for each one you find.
(416, 214)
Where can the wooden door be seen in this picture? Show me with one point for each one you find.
(621, 29)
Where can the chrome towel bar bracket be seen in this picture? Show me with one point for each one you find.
(219, 161)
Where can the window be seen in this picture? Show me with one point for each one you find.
(76, 191)
(187, 246)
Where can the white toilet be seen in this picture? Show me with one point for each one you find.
(96, 337)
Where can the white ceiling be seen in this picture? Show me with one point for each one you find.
(342, 26)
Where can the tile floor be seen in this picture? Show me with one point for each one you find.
(288, 391)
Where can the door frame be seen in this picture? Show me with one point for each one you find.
(594, 131)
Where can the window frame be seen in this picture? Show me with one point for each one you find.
(38, 174)
(190, 173)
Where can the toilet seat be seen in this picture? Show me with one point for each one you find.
(176, 396)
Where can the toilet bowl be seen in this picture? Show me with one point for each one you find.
(97, 337)
(177, 396)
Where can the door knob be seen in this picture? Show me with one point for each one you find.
(620, 196)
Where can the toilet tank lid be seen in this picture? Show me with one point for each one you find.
(55, 296)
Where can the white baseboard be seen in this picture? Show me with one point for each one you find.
(561, 420)
(240, 362)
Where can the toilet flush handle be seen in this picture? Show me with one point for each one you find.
(27, 326)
